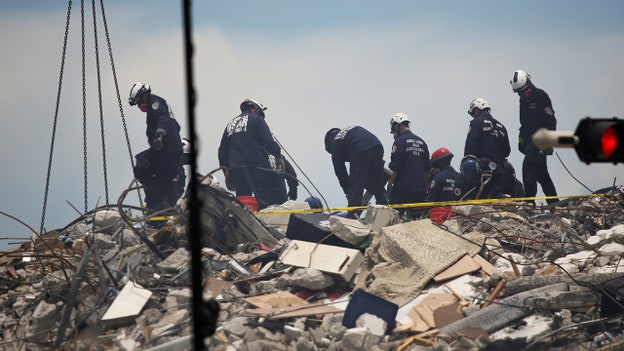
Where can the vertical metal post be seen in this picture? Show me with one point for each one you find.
(199, 322)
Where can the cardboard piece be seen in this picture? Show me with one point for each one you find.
(340, 261)
(465, 265)
(423, 313)
(215, 286)
(278, 299)
(448, 314)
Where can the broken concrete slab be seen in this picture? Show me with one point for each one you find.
(512, 308)
(127, 305)
(278, 216)
(350, 230)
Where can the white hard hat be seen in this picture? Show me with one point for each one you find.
(519, 81)
(137, 90)
(479, 103)
(398, 118)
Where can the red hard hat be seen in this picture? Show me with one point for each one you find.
(441, 154)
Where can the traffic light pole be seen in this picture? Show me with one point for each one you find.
(547, 139)
(599, 140)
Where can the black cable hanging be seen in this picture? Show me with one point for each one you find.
(101, 109)
(54, 125)
(121, 112)
(84, 111)
(84, 108)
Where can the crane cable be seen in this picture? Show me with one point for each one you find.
(84, 113)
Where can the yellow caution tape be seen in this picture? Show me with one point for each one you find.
(427, 204)
(410, 205)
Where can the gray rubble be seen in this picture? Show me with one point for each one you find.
(539, 287)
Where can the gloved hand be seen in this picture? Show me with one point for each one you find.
(389, 191)
(292, 194)
(158, 141)
(280, 164)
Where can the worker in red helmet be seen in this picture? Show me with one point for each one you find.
(447, 184)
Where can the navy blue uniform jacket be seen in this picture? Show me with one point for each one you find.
(348, 144)
(447, 185)
(410, 159)
(487, 138)
(159, 118)
(246, 142)
(535, 112)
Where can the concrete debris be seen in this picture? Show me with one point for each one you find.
(506, 276)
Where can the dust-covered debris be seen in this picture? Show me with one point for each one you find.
(549, 279)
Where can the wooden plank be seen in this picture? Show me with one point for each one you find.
(465, 265)
(514, 266)
(486, 266)
(494, 293)
(295, 311)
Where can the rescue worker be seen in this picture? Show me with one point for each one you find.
(514, 186)
(364, 152)
(447, 184)
(478, 174)
(244, 152)
(488, 138)
(158, 167)
(536, 112)
(409, 163)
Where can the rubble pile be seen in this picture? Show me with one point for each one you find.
(496, 276)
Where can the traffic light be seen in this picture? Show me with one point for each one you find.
(600, 140)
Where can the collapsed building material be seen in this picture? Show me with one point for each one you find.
(496, 316)
(520, 284)
(127, 305)
(340, 261)
(314, 227)
(227, 223)
(362, 302)
(404, 257)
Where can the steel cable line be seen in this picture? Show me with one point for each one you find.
(84, 111)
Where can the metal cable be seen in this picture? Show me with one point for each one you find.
(121, 113)
(56, 109)
(84, 110)
(99, 83)
(302, 172)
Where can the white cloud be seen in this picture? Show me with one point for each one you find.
(311, 81)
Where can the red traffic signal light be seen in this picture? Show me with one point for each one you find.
(600, 140)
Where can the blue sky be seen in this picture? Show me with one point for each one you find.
(315, 64)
